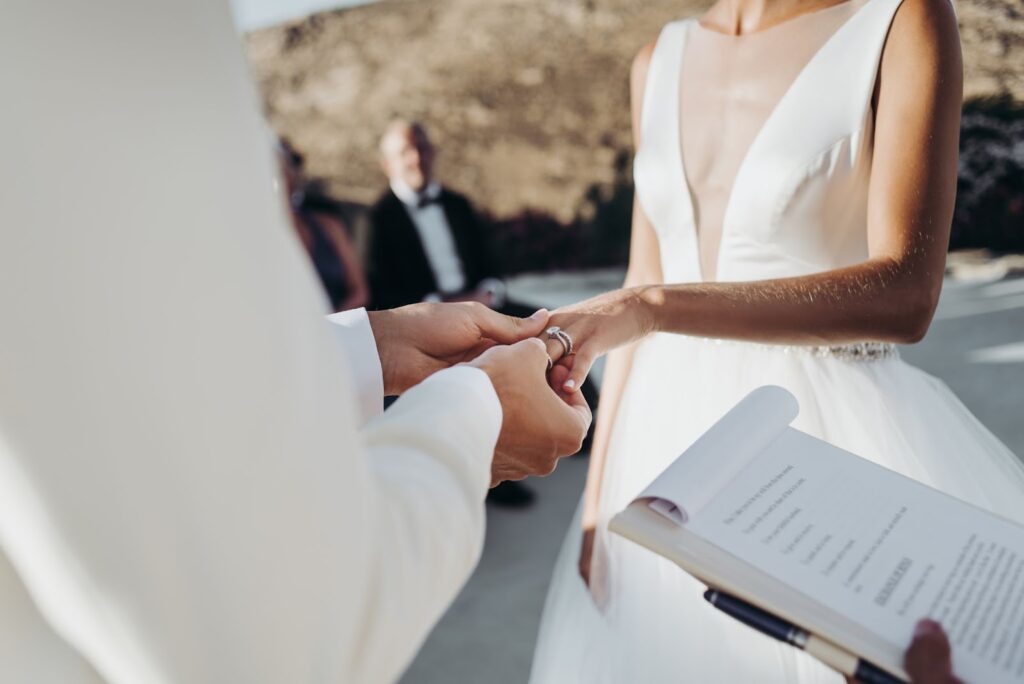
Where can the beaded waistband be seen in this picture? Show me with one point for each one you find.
(858, 351)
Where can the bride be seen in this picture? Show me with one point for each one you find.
(795, 178)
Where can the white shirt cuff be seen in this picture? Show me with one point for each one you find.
(356, 336)
(478, 383)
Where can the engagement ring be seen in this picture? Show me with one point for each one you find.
(556, 333)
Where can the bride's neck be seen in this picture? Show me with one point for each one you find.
(738, 17)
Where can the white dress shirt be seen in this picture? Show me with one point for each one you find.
(435, 234)
(185, 493)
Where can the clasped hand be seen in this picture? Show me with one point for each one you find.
(539, 424)
(597, 326)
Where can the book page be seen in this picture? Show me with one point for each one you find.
(878, 548)
(719, 454)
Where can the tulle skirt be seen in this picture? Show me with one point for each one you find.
(654, 625)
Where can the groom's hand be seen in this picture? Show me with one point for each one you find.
(418, 340)
(539, 424)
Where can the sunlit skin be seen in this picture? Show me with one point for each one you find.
(889, 297)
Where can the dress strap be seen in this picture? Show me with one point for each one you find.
(661, 187)
(659, 99)
(873, 33)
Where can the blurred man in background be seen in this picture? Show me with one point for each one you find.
(427, 243)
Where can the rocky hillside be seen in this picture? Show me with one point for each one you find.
(527, 99)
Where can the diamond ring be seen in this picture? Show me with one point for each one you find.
(556, 333)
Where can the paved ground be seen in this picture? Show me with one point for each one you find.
(976, 345)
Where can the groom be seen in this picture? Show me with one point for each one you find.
(195, 481)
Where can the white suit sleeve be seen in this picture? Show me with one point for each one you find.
(352, 330)
(184, 491)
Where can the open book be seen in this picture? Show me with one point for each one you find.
(843, 548)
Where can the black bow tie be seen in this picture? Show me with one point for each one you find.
(426, 200)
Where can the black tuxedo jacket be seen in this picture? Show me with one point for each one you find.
(398, 269)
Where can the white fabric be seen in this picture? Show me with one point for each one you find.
(353, 330)
(726, 94)
(797, 207)
(184, 495)
(435, 235)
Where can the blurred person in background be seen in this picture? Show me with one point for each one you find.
(427, 243)
(324, 236)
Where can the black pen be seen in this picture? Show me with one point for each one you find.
(780, 629)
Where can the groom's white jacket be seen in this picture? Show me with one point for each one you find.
(185, 492)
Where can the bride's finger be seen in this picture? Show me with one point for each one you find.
(556, 350)
(557, 376)
(578, 371)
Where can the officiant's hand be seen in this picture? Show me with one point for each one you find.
(418, 340)
(596, 326)
(539, 424)
(928, 660)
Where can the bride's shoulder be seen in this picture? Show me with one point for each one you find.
(923, 39)
(638, 85)
(642, 59)
(642, 62)
(924, 22)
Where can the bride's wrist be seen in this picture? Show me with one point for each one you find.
(648, 301)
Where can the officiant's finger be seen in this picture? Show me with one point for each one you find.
(509, 329)
(928, 658)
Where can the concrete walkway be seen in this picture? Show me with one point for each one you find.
(976, 345)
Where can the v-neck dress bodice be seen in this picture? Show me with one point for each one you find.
(756, 149)
(728, 88)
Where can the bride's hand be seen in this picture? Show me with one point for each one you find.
(593, 566)
(596, 326)
(586, 554)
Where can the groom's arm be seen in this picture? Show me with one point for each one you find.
(428, 519)
(183, 488)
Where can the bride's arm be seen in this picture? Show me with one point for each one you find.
(644, 269)
(889, 297)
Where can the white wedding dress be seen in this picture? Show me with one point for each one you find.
(785, 187)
